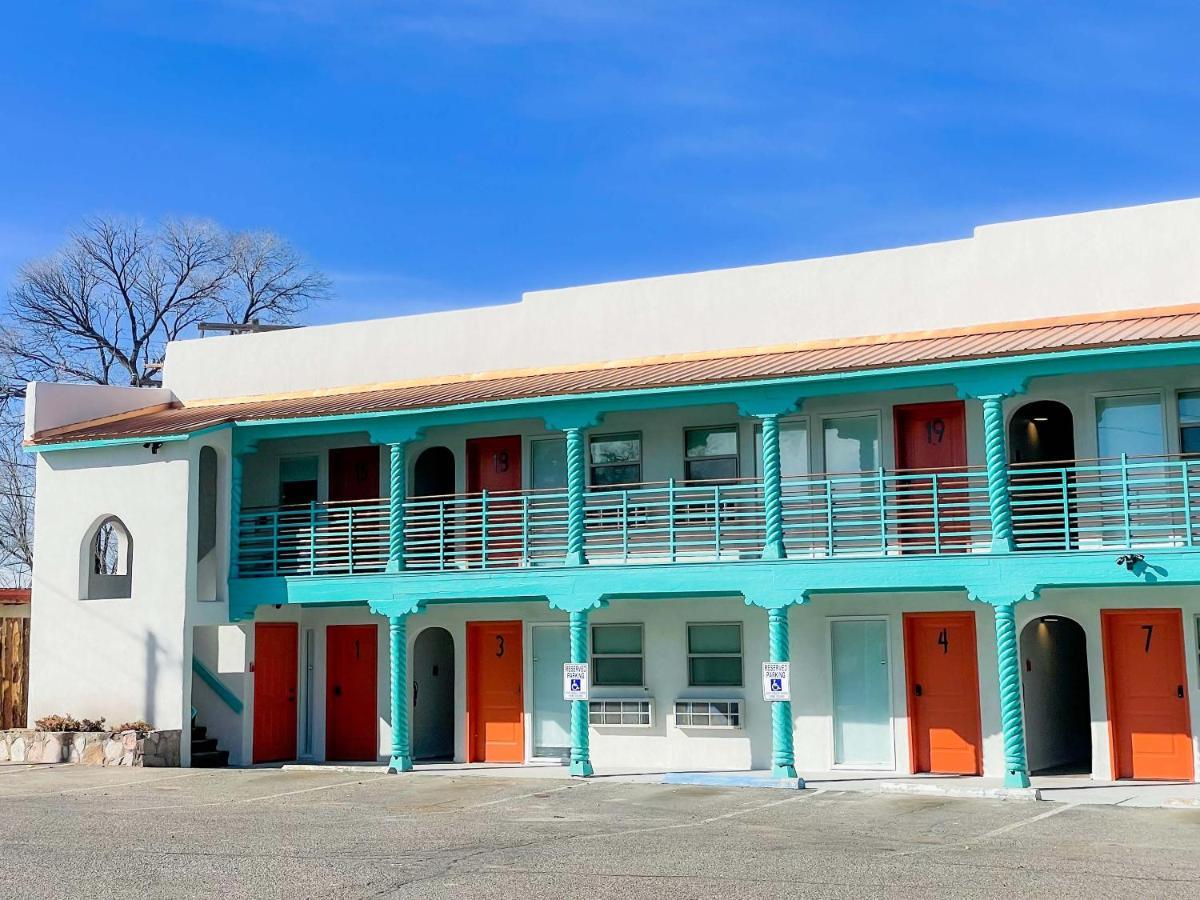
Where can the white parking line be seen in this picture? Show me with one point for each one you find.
(801, 798)
(1021, 824)
(309, 790)
(100, 787)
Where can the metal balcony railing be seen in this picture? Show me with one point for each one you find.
(1076, 505)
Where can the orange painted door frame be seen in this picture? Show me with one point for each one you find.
(942, 674)
(1145, 683)
(495, 692)
(351, 692)
(276, 664)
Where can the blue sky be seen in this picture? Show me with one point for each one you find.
(438, 154)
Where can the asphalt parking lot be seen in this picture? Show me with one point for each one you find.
(86, 832)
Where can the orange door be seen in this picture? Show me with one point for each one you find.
(351, 695)
(931, 437)
(495, 701)
(494, 465)
(943, 692)
(276, 652)
(1146, 681)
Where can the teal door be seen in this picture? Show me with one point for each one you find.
(862, 703)
(551, 713)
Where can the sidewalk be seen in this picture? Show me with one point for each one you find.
(1075, 789)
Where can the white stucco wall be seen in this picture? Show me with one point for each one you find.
(51, 404)
(122, 659)
(1091, 262)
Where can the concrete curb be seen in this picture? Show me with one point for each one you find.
(937, 790)
(349, 769)
(718, 779)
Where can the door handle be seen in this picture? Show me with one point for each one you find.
(917, 690)
(1179, 692)
(416, 690)
(337, 690)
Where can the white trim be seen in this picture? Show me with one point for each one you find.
(831, 746)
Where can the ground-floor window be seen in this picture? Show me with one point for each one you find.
(715, 654)
(617, 659)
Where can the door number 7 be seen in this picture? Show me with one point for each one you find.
(1149, 629)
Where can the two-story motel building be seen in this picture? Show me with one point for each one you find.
(954, 484)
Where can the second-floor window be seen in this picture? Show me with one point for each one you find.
(793, 448)
(549, 460)
(851, 444)
(297, 480)
(710, 454)
(1189, 422)
(1131, 424)
(616, 459)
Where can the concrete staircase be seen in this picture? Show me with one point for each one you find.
(205, 754)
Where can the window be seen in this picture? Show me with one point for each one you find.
(297, 480)
(109, 561)
(1131, 424)
(1189, 422)
(616, 459)
(636, 713)
(617, 656)
(715, 654)
(549, 456)
(710, 454)
(793, 448)
(708, 713)
(206, 500)
(851, 444)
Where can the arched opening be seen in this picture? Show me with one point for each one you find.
(1054, 678)
(433, 695)
(1041, 437)
(109, 561)
(206, 503)
(433, 474)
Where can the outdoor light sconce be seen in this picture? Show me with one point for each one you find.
(153, 447)
(1129, 560)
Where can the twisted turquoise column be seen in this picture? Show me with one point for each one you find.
(396, 509)
(235, 513)
(772, 489)
(996, 454)
(576, 488)
(581, 760)
(783, 754)
(1016, 768)
(401, 760)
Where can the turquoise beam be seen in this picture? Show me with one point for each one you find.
(1016, 767)
(783, 754)
(217, 686)
(996, 454)
(401, 760)
(772, 489)
(396, 509)
(581, 759)
(576, 489)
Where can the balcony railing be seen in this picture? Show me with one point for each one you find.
(1080, 505)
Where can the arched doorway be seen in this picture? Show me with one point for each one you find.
(433, 695)
(1054, 678)
(433, 474)
(1041, 435)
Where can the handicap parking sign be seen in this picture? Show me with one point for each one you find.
(575, 681)
(775, 681)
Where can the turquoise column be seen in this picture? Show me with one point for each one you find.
(576, 489)
(772, 489)
(235, 512)
(401, 760)
(783, 754)
(396, 498)
(581, 760)
(1016, 767)
(996, 455)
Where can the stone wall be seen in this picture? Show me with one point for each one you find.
(91, 748)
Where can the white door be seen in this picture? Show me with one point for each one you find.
(862, 703)
(551, 713)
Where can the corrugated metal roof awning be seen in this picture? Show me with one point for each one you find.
(856, 354)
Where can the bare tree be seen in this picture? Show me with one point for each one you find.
(103, 308)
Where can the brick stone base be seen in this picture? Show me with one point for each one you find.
(92, 748)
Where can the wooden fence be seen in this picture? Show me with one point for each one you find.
(14, 672)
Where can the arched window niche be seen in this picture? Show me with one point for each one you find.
(108, 560)
(206, 503)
